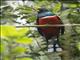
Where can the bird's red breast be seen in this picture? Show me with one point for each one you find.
(49, 31)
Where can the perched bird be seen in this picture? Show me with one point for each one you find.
(46, 17)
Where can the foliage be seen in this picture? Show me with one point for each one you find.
(11, 31)
(57, 7)
(13, 38)
(24, 59)
(17, 42)
(24, 40)
(78, 46)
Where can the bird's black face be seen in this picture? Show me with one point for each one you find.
(41, 10)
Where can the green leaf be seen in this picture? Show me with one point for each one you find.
(24, 40)
(2, 48)
(74, 17)
(72, 5)
(6, 58)
(6, 7)
(65, 13)
(8, 31)
(11, 31)
(40, 3)
(78, 45)
(24, 59)
(78, 30)
(31, 19)
(24, 10)
(7, 13)
(23, 31)
(19, 50)
(57, 7)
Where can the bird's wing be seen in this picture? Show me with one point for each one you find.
(62, 28)
(37, 23)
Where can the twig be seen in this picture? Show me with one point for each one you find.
(48, 25)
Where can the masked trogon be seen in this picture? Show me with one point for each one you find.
(46, 17)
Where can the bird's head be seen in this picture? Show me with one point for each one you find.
(41, 10)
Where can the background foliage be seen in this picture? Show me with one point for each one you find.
(26, 43)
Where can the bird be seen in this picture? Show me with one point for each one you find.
(46, 17)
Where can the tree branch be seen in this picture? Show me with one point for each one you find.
(58, 25)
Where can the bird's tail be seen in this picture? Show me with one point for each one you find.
(54, 45)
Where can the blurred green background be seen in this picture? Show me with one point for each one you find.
(25, 43)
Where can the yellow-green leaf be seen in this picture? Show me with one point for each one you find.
(18, 50)
(24, 40)
(11, 31)
(6, 58)
(23, 31)
(32, 18)
(8, 31)
(57, 7)
(2, 47)
(24, 59)
(72, 5)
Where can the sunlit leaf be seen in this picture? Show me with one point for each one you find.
(19, 50)
(11, 31)
(72, 5)
(23, 31)
(57, 7)
(8, 31)
(2, 47)
(24, 59)
(24, 40)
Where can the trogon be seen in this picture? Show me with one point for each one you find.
(46, 17)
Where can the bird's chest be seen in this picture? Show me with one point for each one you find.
(49, 21)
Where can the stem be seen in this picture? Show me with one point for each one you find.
(10, 47)
(57, 25)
